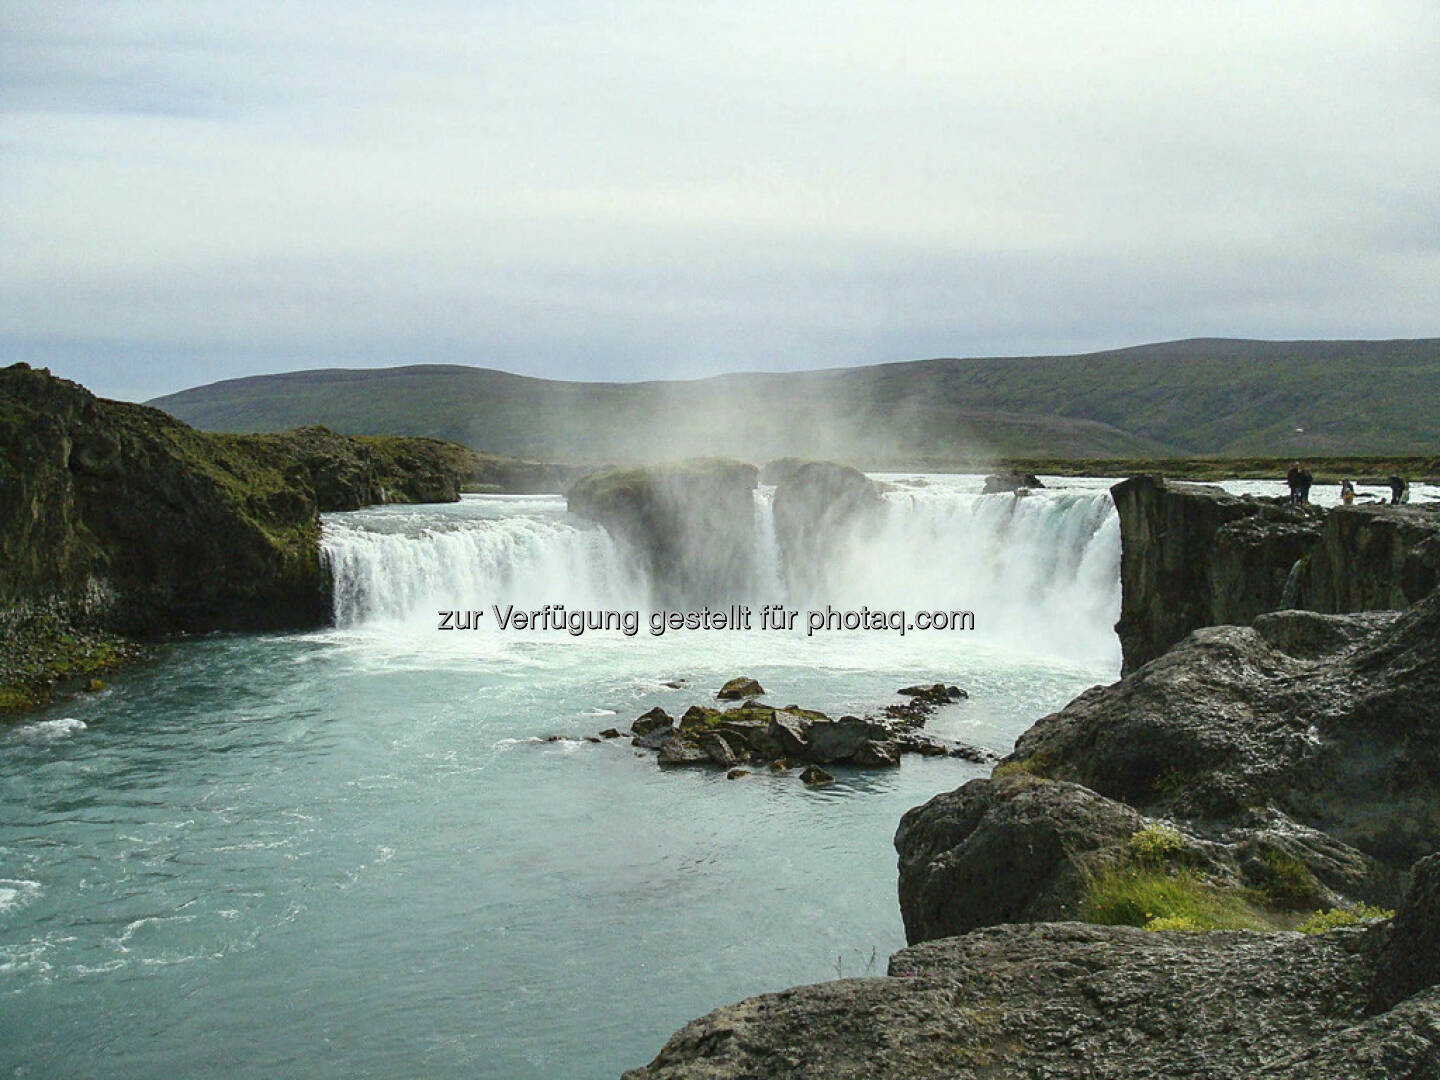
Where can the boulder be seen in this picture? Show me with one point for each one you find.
(814, 776)
(792, 731)
(677, 751)
(654, 720)
(1000, 483)
(875, 754)
(718, 749)
(838, 740)
(1225, 723)
(1409, 960)
(739, 688)
(1000, 851)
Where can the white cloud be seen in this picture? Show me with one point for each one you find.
(611, 190)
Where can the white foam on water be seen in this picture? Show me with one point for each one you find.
(45, 731)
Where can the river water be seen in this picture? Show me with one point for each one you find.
(351, 852)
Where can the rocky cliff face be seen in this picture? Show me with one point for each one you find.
(1193, 556)
(692, 524)
(140, 524)
(118, 517)
(1308, 742)
(819, 507)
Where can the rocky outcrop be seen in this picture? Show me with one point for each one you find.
(1344, 742)
(140, 524)
(792, 736)
(118, 518)
(1193, 555)
(819, 508)
(1072, 1002)
(691, 523)
(739, 688)
(1000, 851)
(1296, 760)
(1000, 483)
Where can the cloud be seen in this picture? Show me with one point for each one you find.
(192, 191)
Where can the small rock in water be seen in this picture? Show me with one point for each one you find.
(814, 776)
(655, 720)
(735, 774)
(677, 751)
(779, 765)
(610, 733)
(94, 686)
(593, 738)
(674, 684)
(740, 688)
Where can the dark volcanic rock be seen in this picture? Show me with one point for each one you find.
(692, 523)
(677, 751)
(1193, 556)
(1410, 958)
(839, 740)
(1010, 481)
(999, 851)
(1072, 1002)
(740, 688)
(654, 720)
(819, 508)
(1348, 743)
(814, 776)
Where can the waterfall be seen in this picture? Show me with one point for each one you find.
(391, 565)
(1040, 572)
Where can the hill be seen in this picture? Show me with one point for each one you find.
(1202, 397)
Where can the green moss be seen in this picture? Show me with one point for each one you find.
(1322, 921)
(1287, 882)
(1039, 764)
(1129, 895)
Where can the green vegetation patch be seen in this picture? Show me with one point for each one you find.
(1156, 845)
(1156, 899)
(1322, 921)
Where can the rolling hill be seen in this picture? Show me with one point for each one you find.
(1200, 397)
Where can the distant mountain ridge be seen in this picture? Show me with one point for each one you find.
(1199, 397)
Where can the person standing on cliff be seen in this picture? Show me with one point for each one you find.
(1399, 490)
(1293, 480)
(1347, 492)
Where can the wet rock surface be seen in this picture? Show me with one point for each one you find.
(691, 523)
(819, 508)
(1001, 483)
(755, 733)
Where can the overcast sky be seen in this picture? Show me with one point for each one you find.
(194, 191)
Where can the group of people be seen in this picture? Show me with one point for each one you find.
(1301, 481)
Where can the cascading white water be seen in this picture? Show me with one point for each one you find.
(1040, 572)
(406, 564)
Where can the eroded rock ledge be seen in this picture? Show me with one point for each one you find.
(1193, 555)
(119, 519)
(1067, 1000)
